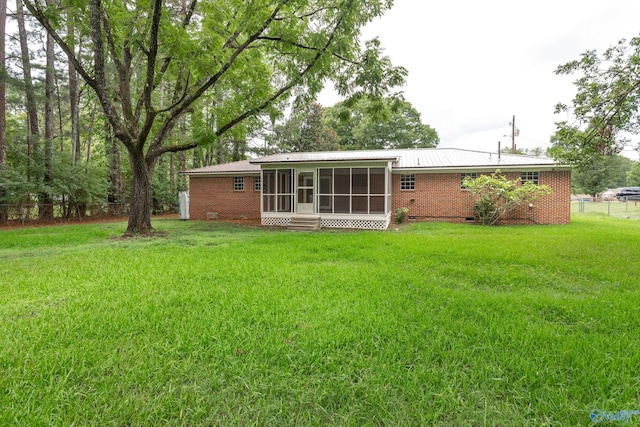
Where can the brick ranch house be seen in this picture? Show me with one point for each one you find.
(362, 189)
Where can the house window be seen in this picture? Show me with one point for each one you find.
(238, 183)
(352, 190)
(408, 182)
(472, 175)
(531, 176)
(257, 183)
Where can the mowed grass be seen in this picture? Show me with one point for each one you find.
(214, 324)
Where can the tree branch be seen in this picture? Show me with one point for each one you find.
(302, 46)
(185, 22)
(149, 86)
(308, 15)
(96, 82)
(175, 148)
(202, 87)
(123, 68)
(36, 10)
(285, 88)
(607, 119)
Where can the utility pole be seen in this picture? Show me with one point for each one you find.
(513, 135)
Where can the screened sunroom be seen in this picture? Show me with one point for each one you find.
(343, 194)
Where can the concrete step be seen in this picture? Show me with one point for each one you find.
(304, 223)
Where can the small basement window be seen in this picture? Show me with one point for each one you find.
(408, 182)
(238, 183)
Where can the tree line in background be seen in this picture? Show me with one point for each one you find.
(603, 172)
(360, 124)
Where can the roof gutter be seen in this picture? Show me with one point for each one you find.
(456, 169)
(360, 159)
(225, 173)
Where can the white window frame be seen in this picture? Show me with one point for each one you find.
(257, 183)
(463, 175)
(408, 182)
(531, 176)
(238, 183)
(276, 194)
(329, 208)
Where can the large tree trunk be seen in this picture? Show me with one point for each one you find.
(79, 207)
(92, 121)
(172, 172)
(141, 196)
(114, 196)
(183, 154)
(3, 88)
(73, 100)
(3, 110)
(32, 110)
(45, 200)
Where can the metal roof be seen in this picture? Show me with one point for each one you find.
(243, 166)
(403, 159)
(442, 158)
(329, 156)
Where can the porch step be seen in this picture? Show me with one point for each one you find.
(304, 223)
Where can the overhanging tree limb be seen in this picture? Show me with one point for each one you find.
(287, 87)
(306, 47)
(202, 87)
(606, 104)
(149, 86)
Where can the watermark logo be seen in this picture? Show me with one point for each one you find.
(598, 415)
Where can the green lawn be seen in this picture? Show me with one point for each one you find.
(214, 324)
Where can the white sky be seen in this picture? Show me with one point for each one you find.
(474, 64)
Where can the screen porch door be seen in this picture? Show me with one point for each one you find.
(305, 192)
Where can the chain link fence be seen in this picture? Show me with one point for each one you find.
(592, 206)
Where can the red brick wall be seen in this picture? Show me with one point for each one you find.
(554, 208)
(438, 197)
(215, 194)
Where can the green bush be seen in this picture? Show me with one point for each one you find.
(401, 215)
(499, 195)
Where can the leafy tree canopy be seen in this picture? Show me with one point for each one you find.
(605, 105)
(151, 62)
(633, 175)
(601, 174)
(303, 131)
(389, 122)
